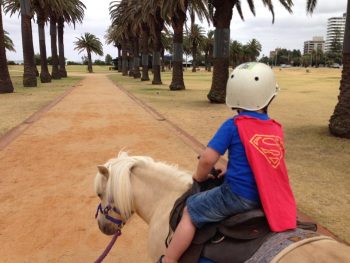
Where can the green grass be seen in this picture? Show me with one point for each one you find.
(318, 163)
(23, 102)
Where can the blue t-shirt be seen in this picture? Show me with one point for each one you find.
(239, 174)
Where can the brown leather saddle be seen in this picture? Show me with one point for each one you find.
(233, 240)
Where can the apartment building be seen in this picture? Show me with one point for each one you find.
(335, 29)
(317, 43)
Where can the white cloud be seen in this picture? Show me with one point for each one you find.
(289, 30)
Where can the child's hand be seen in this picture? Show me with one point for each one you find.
(222, 172)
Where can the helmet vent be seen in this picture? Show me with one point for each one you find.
(232, 76)
(256, 78)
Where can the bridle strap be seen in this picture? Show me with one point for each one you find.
(105, 212)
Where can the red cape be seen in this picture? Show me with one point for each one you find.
(263, 143)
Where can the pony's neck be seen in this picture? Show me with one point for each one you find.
(155, 190)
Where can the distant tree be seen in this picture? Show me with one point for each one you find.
(236, 53)
(99, 62)
(264, 59)
(254, 49)
(49, 60)
(196, 38)
(208, 47)
(108, 59)
(8, 42)
(37, 59)
(91, 44)
(336, 44)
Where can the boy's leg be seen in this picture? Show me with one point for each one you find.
(181, 240)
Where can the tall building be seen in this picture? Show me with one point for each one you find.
(335, 29)
(317, 43)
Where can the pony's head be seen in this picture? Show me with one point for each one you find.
(113, 187)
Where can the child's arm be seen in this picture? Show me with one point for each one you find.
(207, 161)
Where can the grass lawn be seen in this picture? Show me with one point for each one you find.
(16, 107)
(318, 163)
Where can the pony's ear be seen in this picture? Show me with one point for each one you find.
(103, 170)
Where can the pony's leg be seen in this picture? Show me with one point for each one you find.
(181, 240)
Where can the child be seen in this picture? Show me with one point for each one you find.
(256, 175)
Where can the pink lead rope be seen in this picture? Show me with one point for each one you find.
(109, 247)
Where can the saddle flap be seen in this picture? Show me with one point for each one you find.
(245, 226)
(251, 215)
(205, 233)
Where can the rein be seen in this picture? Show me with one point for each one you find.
(118, 222)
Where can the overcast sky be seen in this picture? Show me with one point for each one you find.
(289, 30)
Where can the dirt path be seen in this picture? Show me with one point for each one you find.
(47, 198)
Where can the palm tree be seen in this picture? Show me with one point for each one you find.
(90, 43)
(9, 45)
(174, 12)
(254, 49)
(339, 123)
(208, 46)
(126, 17)
(72, 12)
(112, 36)
(42, 11)
(152, 14)
(222, 19)
(196, 38)
(167, 45)
(42, 8)
(13, 6)
(236, 50)
(5, 80)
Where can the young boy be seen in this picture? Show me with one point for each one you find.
(256, 175)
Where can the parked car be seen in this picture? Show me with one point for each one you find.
(335, 65)
(285, 66)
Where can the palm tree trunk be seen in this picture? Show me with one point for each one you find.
(162, 60)
(222, 19)
(5, 80)
(339, 124)
(124, 59)
(194, 56)
(210, 59)
(206, 60)
(62, 60)
(29, 76)
(119, 46)
(89, 61)
(137, 73)
(45, 76)
(53, 32)
(145, 50)
(177, 81)
(159, 23)
(131, 58)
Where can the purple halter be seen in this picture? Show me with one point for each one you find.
(105, 212)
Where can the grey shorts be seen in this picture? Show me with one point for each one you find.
(216, 204)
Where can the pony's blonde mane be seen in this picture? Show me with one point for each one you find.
(118, 188)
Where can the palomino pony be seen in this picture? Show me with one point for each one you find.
(138, 184)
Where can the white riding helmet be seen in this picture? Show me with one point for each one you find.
(251, 86)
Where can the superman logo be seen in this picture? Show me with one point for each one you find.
(270, 146)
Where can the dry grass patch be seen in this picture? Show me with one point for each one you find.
(18, 106)
(318, 163)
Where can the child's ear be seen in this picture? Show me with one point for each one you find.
(103, 170)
